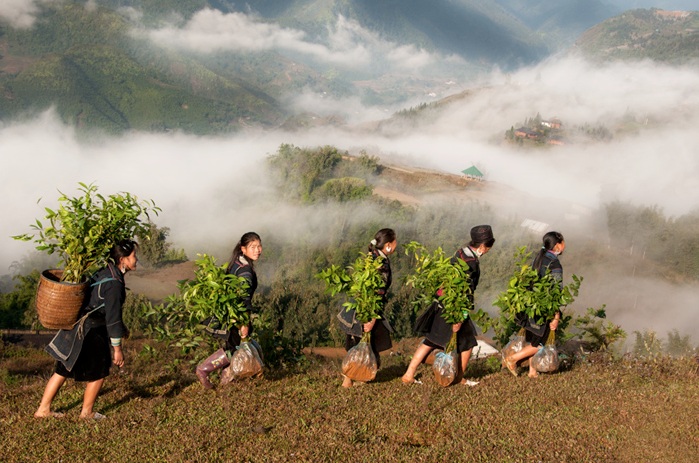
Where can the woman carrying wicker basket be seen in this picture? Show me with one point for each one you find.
(83, 353)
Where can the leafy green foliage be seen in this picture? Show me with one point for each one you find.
(669, 37)
(17, 306)
(538, 298)
(679, 346)
(215, 293)
(361, 281)
(155, 249)
(84, 228)
(303, 170)
(343, 189)
(647, 345)
(638, 229)
(594, 331)
(436, 277)
(173, 323)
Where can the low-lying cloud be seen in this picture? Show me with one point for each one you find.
(19, 14)
(348, 44)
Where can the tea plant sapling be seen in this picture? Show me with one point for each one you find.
(362, 283)
(441, 277)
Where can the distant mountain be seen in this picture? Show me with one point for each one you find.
(660, 35)
(473, 29)
(97, 63)
(562, 21)
(85, 63)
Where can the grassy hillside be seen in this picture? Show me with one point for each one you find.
(559, 22)
(598, 410)
(670, 37)
(85, 64)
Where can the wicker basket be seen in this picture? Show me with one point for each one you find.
(57, 302)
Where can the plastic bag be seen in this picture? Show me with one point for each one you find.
(515, 345)
(360, 362)
(446, 366)
(546, 359)
(246, 362)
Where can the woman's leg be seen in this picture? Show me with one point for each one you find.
(465, 357)
(92, 389)
(526, 352)
(52, 387)
(421, 353)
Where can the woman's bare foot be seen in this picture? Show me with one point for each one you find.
(93, 416)
(409, 380)
(533, 373)
(47, 414)
(346, 382)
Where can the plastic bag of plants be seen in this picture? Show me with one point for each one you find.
(446, 366)
(515, 345)
(359, 363)
(245, 363)
(546, 359)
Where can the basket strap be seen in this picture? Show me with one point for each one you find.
(81, 321)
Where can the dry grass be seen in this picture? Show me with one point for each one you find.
(598, 411)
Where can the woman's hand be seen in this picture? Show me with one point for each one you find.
(243, 331)
(118, 357)
(456, 327)
(369, 325)
(554, 324)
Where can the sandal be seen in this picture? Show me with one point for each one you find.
(414, 381)
(510, 365)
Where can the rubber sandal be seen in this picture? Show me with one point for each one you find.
(414, 381)
(511, 366)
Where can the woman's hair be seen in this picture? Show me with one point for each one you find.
(245, 240)
(122, 249)
(550, 240)
(382, 237)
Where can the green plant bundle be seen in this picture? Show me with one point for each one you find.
(539, 298)
(436, 277)
(83, 229)
(361, 281)
(215, 293)
(173, 323)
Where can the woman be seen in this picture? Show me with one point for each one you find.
(440, 332)
(536, 335)
(83, 353)
(383, 245)
(245, 254)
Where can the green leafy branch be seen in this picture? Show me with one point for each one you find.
(212, 293)
(83, 229)
(538, 298)
(437, 277)
(361, 281)
(215, 293)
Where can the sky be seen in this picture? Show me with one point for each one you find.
(213, 189)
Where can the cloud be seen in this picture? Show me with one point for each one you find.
(21, 14)
(348, 44)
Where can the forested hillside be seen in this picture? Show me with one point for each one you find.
(664, 36)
